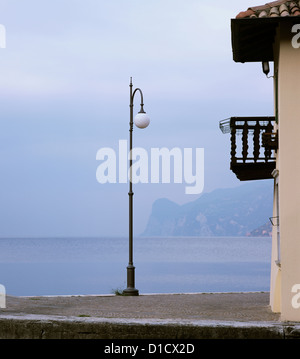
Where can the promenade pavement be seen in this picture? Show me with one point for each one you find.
(157, 316)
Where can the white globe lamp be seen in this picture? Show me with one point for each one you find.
(142, 120)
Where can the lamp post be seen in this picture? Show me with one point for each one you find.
(141, 120)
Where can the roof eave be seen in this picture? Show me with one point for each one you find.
(253, 38)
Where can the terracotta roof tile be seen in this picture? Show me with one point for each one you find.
(272, 9)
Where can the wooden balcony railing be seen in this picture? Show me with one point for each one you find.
(253, 146)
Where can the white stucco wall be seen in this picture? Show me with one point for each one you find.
(288, 164)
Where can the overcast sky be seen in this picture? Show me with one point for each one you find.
(64, 94)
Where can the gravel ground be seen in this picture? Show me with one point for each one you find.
(241, 307)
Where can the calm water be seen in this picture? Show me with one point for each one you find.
(66, 266)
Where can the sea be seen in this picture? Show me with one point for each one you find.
(94, 266)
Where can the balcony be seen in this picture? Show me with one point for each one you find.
(253, 146)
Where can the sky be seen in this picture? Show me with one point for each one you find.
(64, 94)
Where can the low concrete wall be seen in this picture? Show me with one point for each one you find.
(96, 328)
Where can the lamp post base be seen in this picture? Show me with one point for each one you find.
(130, 290)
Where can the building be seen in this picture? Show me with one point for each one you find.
(268, 147)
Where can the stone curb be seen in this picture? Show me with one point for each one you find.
(58, 327)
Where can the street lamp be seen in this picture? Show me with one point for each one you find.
(141, 120)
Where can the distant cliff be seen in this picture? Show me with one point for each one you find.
(224, 212)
